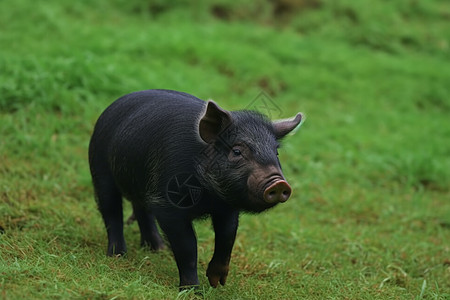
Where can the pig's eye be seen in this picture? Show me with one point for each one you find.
(236, 152)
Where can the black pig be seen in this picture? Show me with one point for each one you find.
(177, 158)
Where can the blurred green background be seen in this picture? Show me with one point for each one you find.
(370, 168)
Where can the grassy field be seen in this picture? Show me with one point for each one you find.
(370, 168)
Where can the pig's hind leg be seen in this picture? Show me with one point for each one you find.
(150, 236)
(109, 201)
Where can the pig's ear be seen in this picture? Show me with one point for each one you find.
(214, 121)
(283, 127)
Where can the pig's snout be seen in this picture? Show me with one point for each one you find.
(279, 191)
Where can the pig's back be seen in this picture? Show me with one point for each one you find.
(153, 107)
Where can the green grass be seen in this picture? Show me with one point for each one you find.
(370, 168)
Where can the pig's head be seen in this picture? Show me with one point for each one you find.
(241, 162)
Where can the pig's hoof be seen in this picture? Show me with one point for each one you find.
(116, 250)
(158, 247)
(153, 248)
(154, 245)
(217, 273)
(117, 254)
(194, 287)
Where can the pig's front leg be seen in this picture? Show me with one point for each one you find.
(183, 242)
(225, 227)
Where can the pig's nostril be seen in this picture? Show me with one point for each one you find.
(285, 195)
